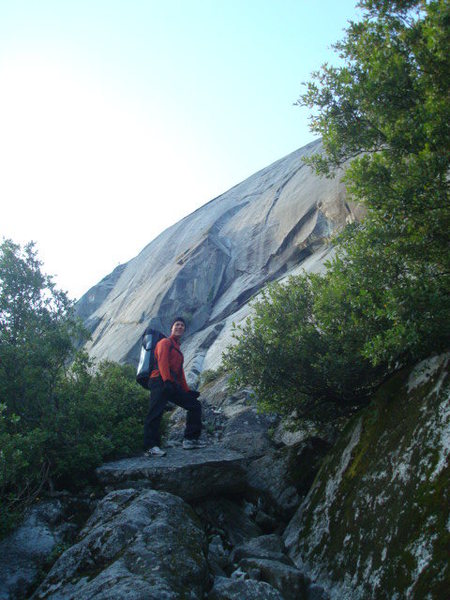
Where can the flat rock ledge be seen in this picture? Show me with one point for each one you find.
(189, 474)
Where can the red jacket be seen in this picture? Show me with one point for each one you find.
(170, 362)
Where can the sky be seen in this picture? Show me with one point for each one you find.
(120, 117)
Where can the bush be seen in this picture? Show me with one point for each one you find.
(290, 358)
(210, 375)
(335, 337)
(100, 417)
(23, 470)
(60, 417)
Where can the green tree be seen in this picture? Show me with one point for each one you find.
(292, 359)
(385, 114)
(384, 301)
(36, 332)
(60, 415)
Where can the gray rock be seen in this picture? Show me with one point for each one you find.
(292, 430)
(246, 432)
(229, 519)
(244, 589)
(283, 477)
(137, 545)
(209, 265)
(27, 550)
(96, 296)
(375, 520)
(189, 474)
(265, 546)
(285, 578)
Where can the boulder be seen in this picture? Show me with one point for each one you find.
(139, 545)
(375, 522)
(28, 549)
(246, 432)
(231, 519)
(281, 478)
(264, 546)
(285, 578)
(326, 426)
(242, 589)
(189, 474)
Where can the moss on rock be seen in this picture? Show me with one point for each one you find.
(375, 523)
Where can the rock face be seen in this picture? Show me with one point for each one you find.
(209, 265)
(375, 522)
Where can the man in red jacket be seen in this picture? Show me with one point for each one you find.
(168, 383)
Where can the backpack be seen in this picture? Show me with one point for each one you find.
(147, 361)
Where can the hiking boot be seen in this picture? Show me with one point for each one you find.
(191, 444)
(155, 451)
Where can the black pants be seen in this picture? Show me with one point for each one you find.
(158, 401)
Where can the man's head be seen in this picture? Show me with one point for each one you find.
(178, 327)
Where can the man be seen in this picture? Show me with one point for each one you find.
(168, 383)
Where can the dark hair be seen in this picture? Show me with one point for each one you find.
(176, 320)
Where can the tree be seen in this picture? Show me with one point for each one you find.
(60, 415)
(384, 300)
(385, 113)
(37, 329)
(296, 359)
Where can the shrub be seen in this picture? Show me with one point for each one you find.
(60, 417)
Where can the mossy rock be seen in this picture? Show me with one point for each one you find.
(375, 523)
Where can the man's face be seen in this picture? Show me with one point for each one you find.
(177, 329)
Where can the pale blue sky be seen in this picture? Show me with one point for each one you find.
(118, 118)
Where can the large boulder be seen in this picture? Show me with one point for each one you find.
(281, 478)
(234, 419)
(139, 545)
(247, 432)
(375, 522)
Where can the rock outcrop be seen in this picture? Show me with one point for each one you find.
(140, 545)
(209, 265)
(375, 524)
(189, 475)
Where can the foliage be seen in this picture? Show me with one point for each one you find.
(387, 112)
(296, 356)
(384, 300)
(59, 416)
(100, 417)
(210, 375)
(23, 470)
